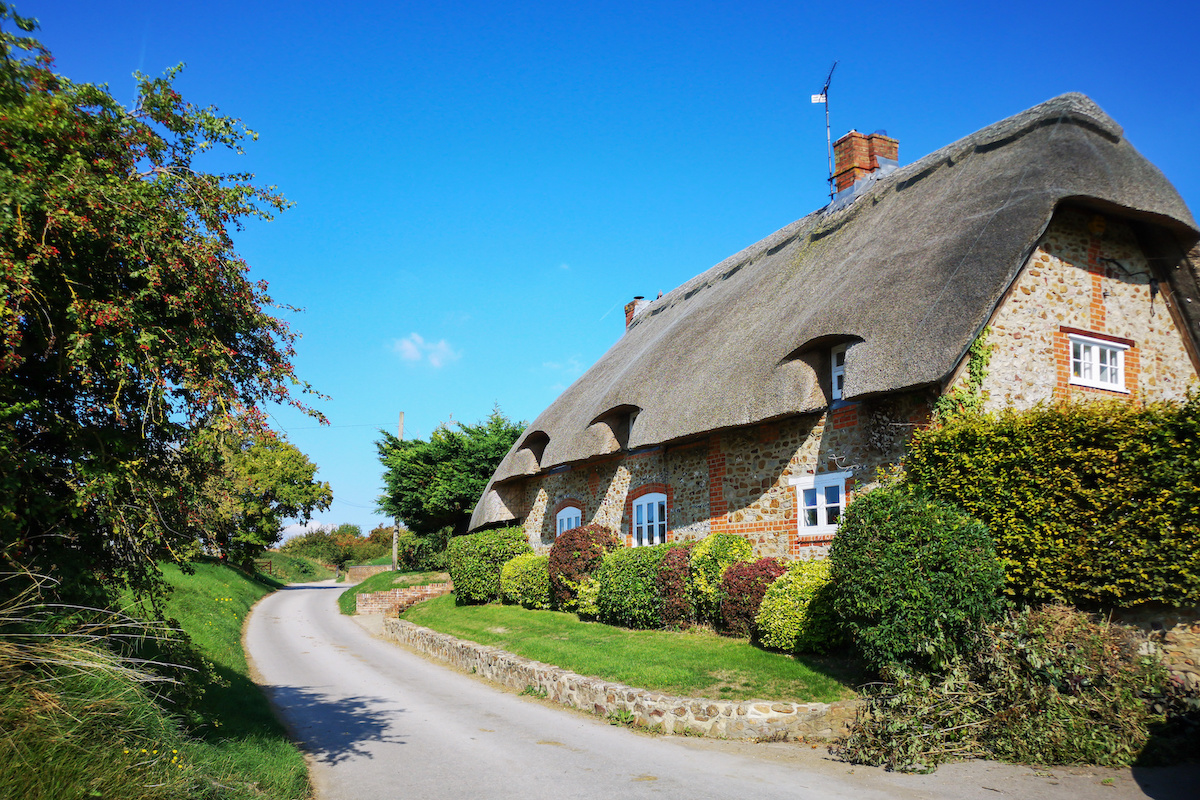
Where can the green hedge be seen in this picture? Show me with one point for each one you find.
(796, 614)
(913, 577)
(1095, 505)
(711, 556)
(629, 589)
(525, 581)
(475, 561)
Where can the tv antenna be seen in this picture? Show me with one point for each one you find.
(823, 97)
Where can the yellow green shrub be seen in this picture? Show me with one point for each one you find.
(1090, 504)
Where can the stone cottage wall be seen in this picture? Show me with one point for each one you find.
(1070, 284)
(736, 481)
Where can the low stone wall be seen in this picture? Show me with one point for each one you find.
(360, 572)
(751, 719)
(393, 601)
(1175, 633)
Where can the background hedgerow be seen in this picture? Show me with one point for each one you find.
(1048, 686)
(913, 577)
(629, 592)
(742, 589)
(673, 573)
(1058, 486)
(796, 614)
(524, 581)
(475, 560)
(575, 554)
(710, 557)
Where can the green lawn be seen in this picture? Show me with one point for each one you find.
(384, 581)
(693, 663)
(294, 569)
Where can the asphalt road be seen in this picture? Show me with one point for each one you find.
(379, 722)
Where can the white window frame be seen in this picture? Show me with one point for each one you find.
(837, 372)
(570, 517)
(1091, 358)
(820, 499)
(649, 519)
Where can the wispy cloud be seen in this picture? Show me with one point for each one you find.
(564, 265)
(414, 348)
(572, 366)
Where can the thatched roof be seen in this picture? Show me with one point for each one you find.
(909, 269)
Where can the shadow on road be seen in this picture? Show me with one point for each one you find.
(335, 729)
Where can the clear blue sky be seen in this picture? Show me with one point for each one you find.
(479, 187)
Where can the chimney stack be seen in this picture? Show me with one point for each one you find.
(632, 308)
(856, 155)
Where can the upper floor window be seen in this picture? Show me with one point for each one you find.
(1098, 363)
(650, 519)
(821, 499)
(570, 517)
(837, 365)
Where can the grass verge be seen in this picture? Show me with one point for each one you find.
(295, 569)
(693, 663)
(384, 581)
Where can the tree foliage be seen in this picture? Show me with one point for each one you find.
(436, 483)
(264, 479)
(127, 320)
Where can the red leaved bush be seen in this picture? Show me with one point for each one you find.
(742, 588)
(677, 611)
(575, 554)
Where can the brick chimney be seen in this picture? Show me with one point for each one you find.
(632, 308)
(856, 155)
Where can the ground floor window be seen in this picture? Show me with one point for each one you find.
(650, 519)
(570, 517)
(820, 501)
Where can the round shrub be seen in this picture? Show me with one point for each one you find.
(629, 593)
(575, 554)
(673, 570)
(796, 614)
(913, 577)
(742, 589)
(525, 581)
(710, 558)
(475, 560)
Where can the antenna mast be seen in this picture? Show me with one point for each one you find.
(823, 97)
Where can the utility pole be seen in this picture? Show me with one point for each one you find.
(396, 520)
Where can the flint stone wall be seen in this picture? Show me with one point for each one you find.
(360, 572)
(751, 719)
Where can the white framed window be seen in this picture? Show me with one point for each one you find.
(837, 367)
(570, 517)
(820, 501)
(650, 519)
(1098, 363)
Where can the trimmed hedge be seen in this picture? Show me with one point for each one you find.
(525, 581)
(796, 614)
(673, 586)
(629, 592)
(913, 577)
(474, 562)
(1095, 505)
(575, 554)
(742, 589)
(711, 556)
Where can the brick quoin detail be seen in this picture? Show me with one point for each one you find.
(718, 508)
(569, 502)
(845, 417)
(645, 489)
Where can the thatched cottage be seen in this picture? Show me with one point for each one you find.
(756, 397)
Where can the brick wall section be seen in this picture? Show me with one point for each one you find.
(360, 572)
(746, 720)
(393, 601)
(1068, 286)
